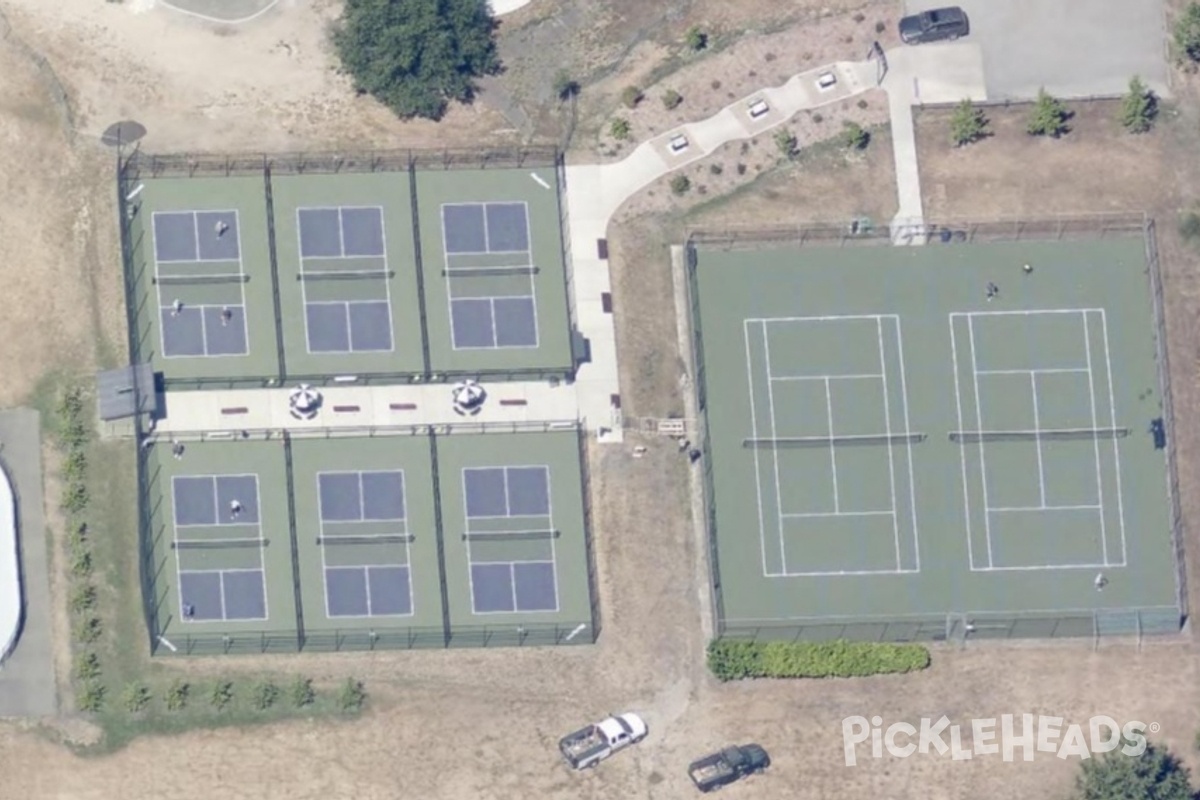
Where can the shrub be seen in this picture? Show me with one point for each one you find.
(415, 57)
(75, 497)
(221, 695)
(75, 466)
(817, 118)
(83, 598)
(351, 696)
(91, 697)
(671, 99)
(631, 96)
(859, 17)
(177, 695)
(1138, 108)
(88, 630)
(264, 694)
(1049, 116)
(741, 169)
(854, 136)
(1187, 33)
(565, 87)
(862, 103)
(301, 692)
(1156, 773)
(715, 169)
(733, 660)
(81, 562)
(880, 26)
(695, 39)
(967, 124)
(785, 142)
(136, 697)
(619, 129)
(680, 184)
(87, 667)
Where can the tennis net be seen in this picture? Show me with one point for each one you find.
(195, 280)
(496, 536)
(1053, 434)
(484, 272)
(345, 274)
(214, 544)
(832, 441)
(385, 538)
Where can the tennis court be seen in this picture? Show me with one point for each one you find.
(929, 441)
(492, 255)
(202, 277)
(347, 277)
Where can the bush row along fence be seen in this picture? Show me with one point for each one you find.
(1129, 622)
(135, 167)
(153, 562)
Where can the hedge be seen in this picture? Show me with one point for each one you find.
(733, 660)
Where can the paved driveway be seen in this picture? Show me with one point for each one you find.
(1072, 47)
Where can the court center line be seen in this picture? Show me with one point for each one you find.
(832, 448)
(1087, 347)
(912, 481)
(1037, 441)
(962, 451)
(762, 532)
(1049, 370)
(1112, 407)
(857, 376)
(774, 451)
(887, 422)
(1003, 509)
(987, 523)
(825, 514)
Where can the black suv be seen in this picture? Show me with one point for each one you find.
(934, 25)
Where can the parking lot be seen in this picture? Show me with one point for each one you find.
(1075, 48)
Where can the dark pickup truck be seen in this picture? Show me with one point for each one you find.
(725, 767)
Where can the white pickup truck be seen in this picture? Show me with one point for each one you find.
(589, 746)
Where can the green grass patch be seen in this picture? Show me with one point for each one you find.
(733, 660)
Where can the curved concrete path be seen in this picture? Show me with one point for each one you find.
(932, 73)
(10, 570)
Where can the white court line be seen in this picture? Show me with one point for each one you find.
(775, 451)
(844, 573)
(762, 531)
(912, 478)
(811, 514)
(887, 421)
(1037, 442)
(1042, 567)
(1044, 507)
(1030, 313)
(387, 294)
(822, 318)
(832, 449)
(987, 524)
(1112, 407)
(858, 376)
(1050, 370)
(1087, 346)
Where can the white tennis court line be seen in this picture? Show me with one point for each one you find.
(1087, 346)
(987, 522)
(912, 475)
(819, 514)
(1045, 371)
(859, 376)
(887, 422)
(962, 451)
(832, 450)
(774, 451)
(1037, 426)
(762, 531)
(1112, 409)
(1045, 507)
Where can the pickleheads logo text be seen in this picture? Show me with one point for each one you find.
(1005, 736)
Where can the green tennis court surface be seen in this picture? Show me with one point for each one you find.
(387, 270)
(365, 543)
(895, 454)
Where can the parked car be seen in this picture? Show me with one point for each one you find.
(934, 25)
(728, 765)
(588, 746)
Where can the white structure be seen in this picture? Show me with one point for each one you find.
(10, 570)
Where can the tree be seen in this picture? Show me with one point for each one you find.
(1187, 32)
(1049, 116)
(854, 136)
(680, 184)
(415, 56)
(1138, 108)
(565, 87)
(671, 99)
(785, 140)
(1155, 774)
(631, 96)
(696, 39)
(967, 124)
(619, 129)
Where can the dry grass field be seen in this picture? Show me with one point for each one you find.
(483, 724)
